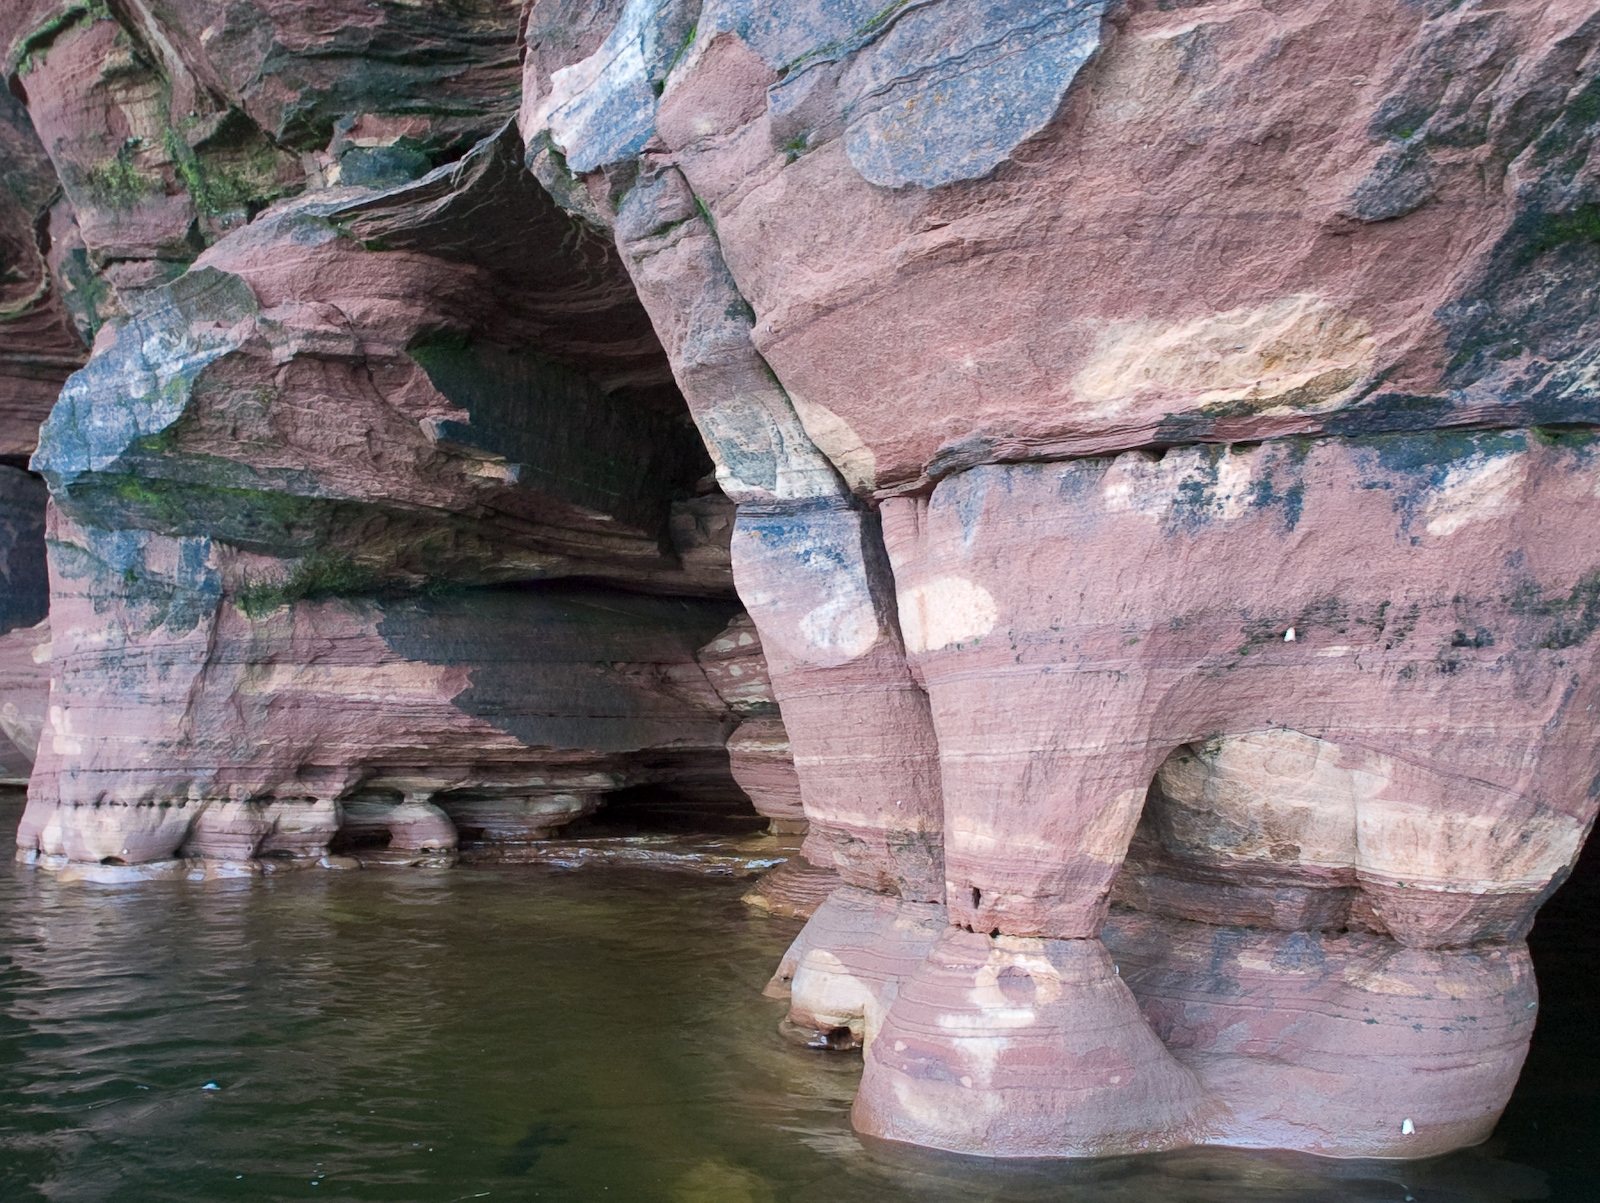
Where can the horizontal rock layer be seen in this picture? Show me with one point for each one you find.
(1156, 456)
(1223, 378)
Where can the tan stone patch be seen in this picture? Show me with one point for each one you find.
(1293, 354)
(837, 440)
(945, 611)
(1477, 490)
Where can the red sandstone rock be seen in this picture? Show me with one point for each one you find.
(410, 831)
(734, 664)
(762, 764)
(1315, 709)
(38, 344)
(758, 751)
(24, 627)
(925, 241)
(795, 889)
(858, 725)
(24, 695)
(845, 968)
(1343, 1044)
(1023, 1047)
(1428, 598)
(183, 726)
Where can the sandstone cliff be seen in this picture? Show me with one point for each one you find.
(1152, 444)
(1162, 440)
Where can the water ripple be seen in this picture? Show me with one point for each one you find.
(502, 1034)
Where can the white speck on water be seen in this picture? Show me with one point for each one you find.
(1288, 636)
(1407, 1128)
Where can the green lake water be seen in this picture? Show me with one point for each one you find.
(529, 1033)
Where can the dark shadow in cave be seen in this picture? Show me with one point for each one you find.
(662, 810)
(1553, 1119)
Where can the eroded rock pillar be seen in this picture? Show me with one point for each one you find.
(1385, 674)
(809, 564)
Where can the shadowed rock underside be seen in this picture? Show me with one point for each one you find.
(1118, 476)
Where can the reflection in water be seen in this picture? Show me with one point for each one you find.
(505, 1035)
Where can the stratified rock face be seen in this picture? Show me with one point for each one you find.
(1431, 707)
(1414, 763)
(39, 346)
(24, 696)
(1388, 238)
(298, 391)
(1162, 437)
(380, 527)
(24, 629)
(758, 750)
(181, 725)
(1162, 444)
(762, 763)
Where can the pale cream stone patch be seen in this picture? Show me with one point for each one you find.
(944, 611)
(825, 989)
(1147, 76)
(975, 835)
(1235, 478)
(1045, 980)
(62, 741)
(356, 682)
(845, 626)
(1284, 797)
(52, 841)
(1295, 353)
(837, 440)
(1138, 483)
(982, 1053)
(926, 1107)
(1475, 491)
(578, 92)
(1430, 847)
(1286, 789)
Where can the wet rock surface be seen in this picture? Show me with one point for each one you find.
(1104, 489)
(1164, 490)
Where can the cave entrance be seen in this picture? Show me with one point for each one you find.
(1554, 1113)
(669, 810)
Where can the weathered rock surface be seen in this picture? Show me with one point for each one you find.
(1154, 445)
(24, 627)
(1382, 196)
(24, 697)
(762, 762)
(758, 750)
(39, 345)
(1163, 443)
(182, 725)
(380, 527)
(1349, 1039)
